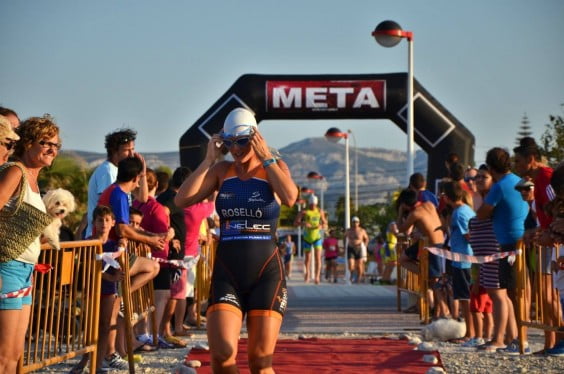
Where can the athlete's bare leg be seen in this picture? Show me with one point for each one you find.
(317, 265)
(223, 328)
(307, 265)
(263, 333)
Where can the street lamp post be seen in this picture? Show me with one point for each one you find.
(355, 171)
(334, 135)
(388, 34)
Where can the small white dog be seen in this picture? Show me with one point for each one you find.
(444, 329)
(59, 204)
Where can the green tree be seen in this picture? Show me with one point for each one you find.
(553, 140)
(524, 129)
(374, 218)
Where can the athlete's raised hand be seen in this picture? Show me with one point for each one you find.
(260, 147)
(214, 148)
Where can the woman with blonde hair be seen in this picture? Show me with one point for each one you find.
(38, 146)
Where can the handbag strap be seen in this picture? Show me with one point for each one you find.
(23, 182)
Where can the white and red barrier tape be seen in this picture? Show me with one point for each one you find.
(19, 293)
(472, 259)
(110, 260)
(187, 263)
(41, 268)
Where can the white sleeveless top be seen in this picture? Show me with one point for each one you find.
(31, 254)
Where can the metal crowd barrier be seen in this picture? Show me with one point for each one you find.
(412, 283)
(138, 304)
(541, 310)
(65, 307)
(204, 270)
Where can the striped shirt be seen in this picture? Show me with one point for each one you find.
(484, 242)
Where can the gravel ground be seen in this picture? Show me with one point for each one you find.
(455, 358)
(460, 360)
(464, 360)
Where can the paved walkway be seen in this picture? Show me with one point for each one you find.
(330, 308)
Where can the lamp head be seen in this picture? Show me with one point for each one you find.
(314, 175)
(334, 135)
(388, 34)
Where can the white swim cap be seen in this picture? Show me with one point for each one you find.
(239, 122)
(313, 199)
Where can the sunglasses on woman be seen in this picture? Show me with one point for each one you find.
(45, 144)
(241, 142)
(9, 145)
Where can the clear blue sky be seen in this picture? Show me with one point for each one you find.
(157, 66)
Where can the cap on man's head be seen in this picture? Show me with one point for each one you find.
(355, 219)
(313, 199)
(524, 184)
(239, 122)
(6, 130)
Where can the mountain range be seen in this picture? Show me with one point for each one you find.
(380, 170)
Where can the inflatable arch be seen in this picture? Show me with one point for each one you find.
(378, 96)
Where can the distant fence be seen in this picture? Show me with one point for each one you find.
(65, 309)
(537, 301)
(535, 307)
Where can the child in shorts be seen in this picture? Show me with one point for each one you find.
(108, 358)
(481, 309)
(459, 236)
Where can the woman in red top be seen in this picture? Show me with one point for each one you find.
(156, 220)
(331, 248)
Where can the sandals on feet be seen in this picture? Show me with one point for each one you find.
(184, 333)
(145, 348)
(174, 341)
(458, 341)
(490, 348)
(192, 324)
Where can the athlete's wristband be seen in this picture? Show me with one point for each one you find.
(270, 161)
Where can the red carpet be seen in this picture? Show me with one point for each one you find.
(334, 356)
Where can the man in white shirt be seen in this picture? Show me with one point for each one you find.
(119, 145)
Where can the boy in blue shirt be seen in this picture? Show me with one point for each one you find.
(459, 235)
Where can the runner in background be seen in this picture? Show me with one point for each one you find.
(288, 248)
(313, 222)
(331, 247)
(357, 241)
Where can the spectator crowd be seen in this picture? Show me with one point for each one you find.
(127, 201)
(480, 211)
